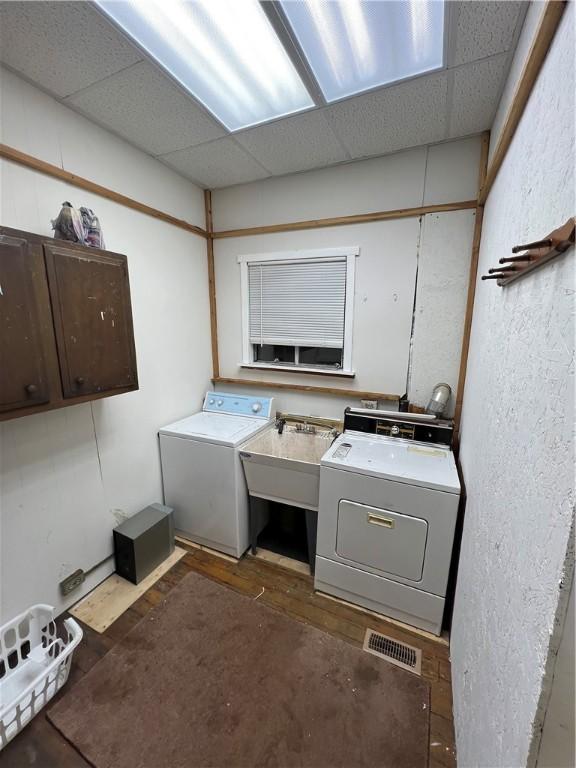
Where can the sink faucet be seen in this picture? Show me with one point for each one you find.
(308, 429)
(280, 425)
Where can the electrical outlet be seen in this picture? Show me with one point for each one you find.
(371, 404)
(72, 582)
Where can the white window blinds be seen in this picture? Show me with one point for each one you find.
(298, 303)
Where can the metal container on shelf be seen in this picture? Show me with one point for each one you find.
(439, 399)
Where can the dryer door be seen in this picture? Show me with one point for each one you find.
(381, 539)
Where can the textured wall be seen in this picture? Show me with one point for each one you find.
(442, 286)
(517, 449)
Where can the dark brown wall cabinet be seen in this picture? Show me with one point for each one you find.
(66, 332)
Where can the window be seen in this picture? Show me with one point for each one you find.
(298, 310)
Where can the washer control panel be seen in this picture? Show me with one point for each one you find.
(239, 405)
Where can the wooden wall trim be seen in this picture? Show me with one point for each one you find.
(283, 369)
(485, 146)
(211, 284)
(21, 158)
(307, 388)
(549, 22)
(338, 221)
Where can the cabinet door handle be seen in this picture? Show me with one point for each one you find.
(79, 380)
(385, 522)
(31, 389)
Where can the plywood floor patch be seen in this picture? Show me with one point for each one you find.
(109, 600)
(285, 562)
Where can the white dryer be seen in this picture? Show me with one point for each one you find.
(202, 472)
(389, 494)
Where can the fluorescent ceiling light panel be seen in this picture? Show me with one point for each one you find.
(355, 45)
(224, 52)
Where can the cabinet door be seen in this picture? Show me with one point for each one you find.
(23, 380)
(90, 296)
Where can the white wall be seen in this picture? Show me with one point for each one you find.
(69, 475)
(517, 449)
(392, 253)
(385, 275)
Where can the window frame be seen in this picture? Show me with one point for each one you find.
(350, 253)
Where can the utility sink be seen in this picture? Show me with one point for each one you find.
(286, 467)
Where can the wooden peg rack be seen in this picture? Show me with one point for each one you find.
(533, 255)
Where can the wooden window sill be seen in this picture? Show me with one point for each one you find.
(297, 369)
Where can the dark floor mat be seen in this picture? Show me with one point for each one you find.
(213, 678)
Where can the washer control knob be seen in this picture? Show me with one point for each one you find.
(220, 402)
(256, 407)
(211, 402)
(395, 430)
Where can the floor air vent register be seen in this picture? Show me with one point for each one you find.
(400, 654)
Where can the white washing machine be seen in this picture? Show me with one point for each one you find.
(389, 494)
(202, 472)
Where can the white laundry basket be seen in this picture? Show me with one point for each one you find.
(34, 665)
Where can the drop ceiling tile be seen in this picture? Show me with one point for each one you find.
(294, 144)
(405, 115)
(485, 29)
(476, 93)
(61, 46)
(220, 163)
(143, 105)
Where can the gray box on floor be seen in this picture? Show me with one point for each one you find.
(143, 542)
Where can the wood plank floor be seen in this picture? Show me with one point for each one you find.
(292, 593)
